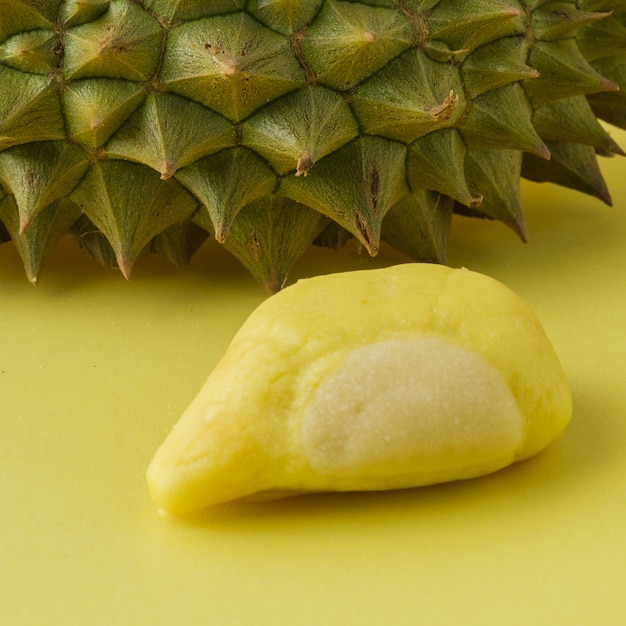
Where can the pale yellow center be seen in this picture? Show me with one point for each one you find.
(410, 405)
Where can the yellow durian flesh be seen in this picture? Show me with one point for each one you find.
(367, 380)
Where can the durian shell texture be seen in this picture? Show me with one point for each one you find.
(148, 126)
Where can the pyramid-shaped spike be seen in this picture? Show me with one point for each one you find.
(572, 120)
(558, 20)
(572, 166)
(409, 98)
(350, 41)
(497, 64)
(501, 118)
(43, 233)
(30, 108)
(225, 182)
(270, 234)
(419, 226)
(603, 39)
(355, 186)
(469, 27)
(231, 64)
(436, 162)
(38, 174)
(97, 107)
(150, 137)
(496, 174)
(124, 43)
(130, 206)
(564, 71)
(296, 131)
(32, 52)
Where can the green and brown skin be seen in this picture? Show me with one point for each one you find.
(146, 126)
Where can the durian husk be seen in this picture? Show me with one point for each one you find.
(142, 127)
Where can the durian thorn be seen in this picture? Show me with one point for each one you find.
(476, 201)
(610, 148)
(230, 68)
(369, 238)
(586, 18)
(520, 229)
(25, 222)
(168, 169)
(543, 151)
(221, 232)
(609, 85)
(602, 193)
(275, 282)
(445, 110)
(305, 163)
(125, 265)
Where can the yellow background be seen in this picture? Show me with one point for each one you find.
(95, 370)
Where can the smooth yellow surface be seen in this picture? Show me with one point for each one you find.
(94, 371)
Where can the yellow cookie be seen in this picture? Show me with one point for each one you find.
(368, 380)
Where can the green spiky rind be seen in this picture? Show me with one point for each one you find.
(45, 231)
(147, 126)
(130, 205)
(271, 234)
(419, 225)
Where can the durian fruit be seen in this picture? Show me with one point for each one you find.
(143, 126)
(369, 380)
